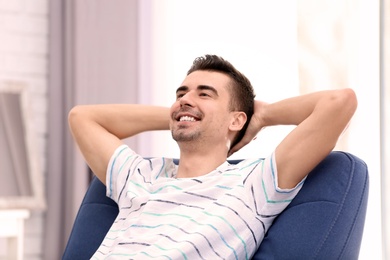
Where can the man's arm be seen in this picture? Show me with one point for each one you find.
(320, 117)
(98, 129)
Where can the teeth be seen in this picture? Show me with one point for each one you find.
(187, 118)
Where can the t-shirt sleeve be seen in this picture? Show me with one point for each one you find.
(262, 183)
(119, 170)
(271, 185)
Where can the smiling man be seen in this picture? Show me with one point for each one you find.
(205, 208)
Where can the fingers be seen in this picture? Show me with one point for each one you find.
(256, 124)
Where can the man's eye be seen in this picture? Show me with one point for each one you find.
(203, 94)
(178, 96)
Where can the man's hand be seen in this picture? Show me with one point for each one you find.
(256, 124)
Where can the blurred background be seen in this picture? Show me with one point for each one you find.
(55, 54)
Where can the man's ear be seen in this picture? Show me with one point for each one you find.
(238, 121)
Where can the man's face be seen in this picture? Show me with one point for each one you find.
(201, 111)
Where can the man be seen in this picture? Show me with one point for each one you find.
(205, 208)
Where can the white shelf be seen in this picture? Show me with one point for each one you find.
(12, 228)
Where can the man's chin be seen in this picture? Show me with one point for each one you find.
(185, 137)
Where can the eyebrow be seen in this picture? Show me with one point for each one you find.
(200, 87)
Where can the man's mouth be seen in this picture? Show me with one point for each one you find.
(187, 116)
(187, 119)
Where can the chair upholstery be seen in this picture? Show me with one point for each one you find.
(324, 221)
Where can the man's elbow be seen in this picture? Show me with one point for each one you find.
(351, 98)
(72, 115)
(75, 117)
(346, 100)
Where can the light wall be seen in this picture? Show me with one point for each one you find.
(260, 39)
(364, 139)
(385, 120)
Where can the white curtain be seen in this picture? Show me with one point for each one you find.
(93, 59)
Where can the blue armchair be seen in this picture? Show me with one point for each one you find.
(324, 221)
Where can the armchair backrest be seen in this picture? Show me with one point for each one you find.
(324, 221)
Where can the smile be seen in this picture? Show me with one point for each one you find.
(187, 119)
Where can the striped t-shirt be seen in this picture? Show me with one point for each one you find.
(221, 215)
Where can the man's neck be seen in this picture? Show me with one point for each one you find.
(200, 162)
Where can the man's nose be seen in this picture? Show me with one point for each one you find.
(187, 99)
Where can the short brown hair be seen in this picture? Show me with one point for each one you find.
(242, 92)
